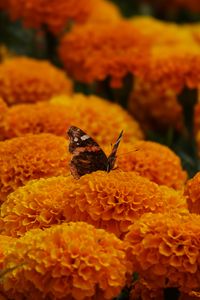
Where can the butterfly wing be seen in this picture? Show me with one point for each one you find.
(87, 157)
(112, 156)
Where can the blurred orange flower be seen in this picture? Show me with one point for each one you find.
(155, 108)
(69, 261)
(192, 193)
(30, 157)
(104, 11)
(111, 201)
(164, 249)
(94, 52)
(154, 161)
(100, 119)
(28, 80)
(57, 15)
(173, 65)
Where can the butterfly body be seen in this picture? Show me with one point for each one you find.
(88, 157)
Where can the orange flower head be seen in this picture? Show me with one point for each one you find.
(96, 52)
(197, 125)
(111, 201)
(30, 157)
(174, 68)
(25, 80)
(154, 161)
(72, 261)
(192, 193)
(154, 107)
(163, 33)
(56, 16)
(99, 118)
(164, 249)
(104, 11)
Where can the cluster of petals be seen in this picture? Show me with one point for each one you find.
(164, 249)
(154, 107)
(24, 79)
(104, 11)
(5, 242)
(152, 160)
(173, 65)
(100, 119)
(68, 261)
(111, 201)
(94, 53)
(30, 157)
(56, 16)
(192, 193)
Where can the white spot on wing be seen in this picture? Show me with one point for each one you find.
(85, 137)
(75, 139)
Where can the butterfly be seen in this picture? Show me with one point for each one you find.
(88, 156)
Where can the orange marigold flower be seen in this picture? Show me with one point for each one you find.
(164, 249)
(154, 161)
(30, 157)
(192, 192)
(77, 261)
(28, 80)
(56, 15)
(111, 201)
(94, 52)
(90, 113)
(155, 108)
(104, 11)
(174, 68)
(163, 33)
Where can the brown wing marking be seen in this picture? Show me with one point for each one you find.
(87, 156)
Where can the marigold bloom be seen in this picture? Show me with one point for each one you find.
(77, 261)
(95, 52)
(163, 33)
(104, 11)
(152, 160)
(164, 249)
(56, 15)
(155, 108)
(192, 192)
(100, 119)
(111, 201)
(30, 157)
(28, 80)
(173, 65)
